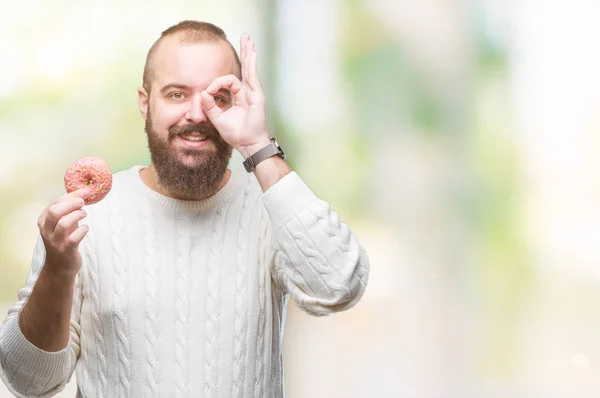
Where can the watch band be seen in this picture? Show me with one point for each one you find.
(266, 152)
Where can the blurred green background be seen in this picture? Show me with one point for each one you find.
(459, 139)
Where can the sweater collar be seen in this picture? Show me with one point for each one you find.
(185, 205)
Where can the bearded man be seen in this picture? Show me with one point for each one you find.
(176, 284)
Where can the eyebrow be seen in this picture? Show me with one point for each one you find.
(173, 85)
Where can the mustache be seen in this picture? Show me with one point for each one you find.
(205, 129)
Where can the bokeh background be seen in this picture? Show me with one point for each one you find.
(458, 138)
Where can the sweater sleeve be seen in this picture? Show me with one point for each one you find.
(27, 370)
(316, 258)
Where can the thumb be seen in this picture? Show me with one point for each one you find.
(209, 106)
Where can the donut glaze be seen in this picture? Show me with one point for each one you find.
(89, 172)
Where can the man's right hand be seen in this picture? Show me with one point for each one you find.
(46, 318)
(61, 233)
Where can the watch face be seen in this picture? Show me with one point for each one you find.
(274, 141)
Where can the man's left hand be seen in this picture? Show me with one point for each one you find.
(244, 125)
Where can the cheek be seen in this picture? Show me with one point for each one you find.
(165, 116)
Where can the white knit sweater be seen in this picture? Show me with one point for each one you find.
(188, 298)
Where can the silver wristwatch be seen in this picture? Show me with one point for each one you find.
(270, 150)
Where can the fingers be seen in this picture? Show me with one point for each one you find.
(77, 236)
(67, 224)
(61, 232)
(209, 106)
(243, 41)
(249, 62)
(80, 193)
(59, 208)
(229, 82)
(61, 218)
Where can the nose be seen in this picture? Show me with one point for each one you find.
(195, 114)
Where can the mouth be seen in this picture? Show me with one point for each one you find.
(195, 137)
(192, 140)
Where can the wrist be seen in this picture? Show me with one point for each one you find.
(56, 275)
(249, 150)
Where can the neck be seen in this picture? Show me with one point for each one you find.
(150, 178)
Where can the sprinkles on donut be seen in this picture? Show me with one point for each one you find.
(91, 172)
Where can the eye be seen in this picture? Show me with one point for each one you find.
(177, 96)
(219, 100)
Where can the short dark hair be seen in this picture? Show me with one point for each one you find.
(192, 32)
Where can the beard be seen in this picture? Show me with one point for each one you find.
(189, 173)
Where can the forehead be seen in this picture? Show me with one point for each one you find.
(192, 64)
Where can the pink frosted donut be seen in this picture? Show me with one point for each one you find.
(91, 172)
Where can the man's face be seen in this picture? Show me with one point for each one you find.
(188, 153)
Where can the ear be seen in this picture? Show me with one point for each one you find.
(143, 98)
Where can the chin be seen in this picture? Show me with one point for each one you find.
(191, 162)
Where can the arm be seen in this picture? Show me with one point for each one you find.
(39, 340)
(316, 259)
(27, 370)
(243, 123)
(45, 320)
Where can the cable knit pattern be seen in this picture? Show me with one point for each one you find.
(341, 236)
(182, 305)
(141, 328)
(260, 343)
(211, 347)
(362, 271)
(98, 329)
(240, 319)
(119, 261)
(321, 275)
(152, 299)
(84, 274)
(314, 258)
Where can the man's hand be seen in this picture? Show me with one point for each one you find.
(244, 125)
(45, 319)
(61, 233)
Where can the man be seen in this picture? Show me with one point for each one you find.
(177, 283)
